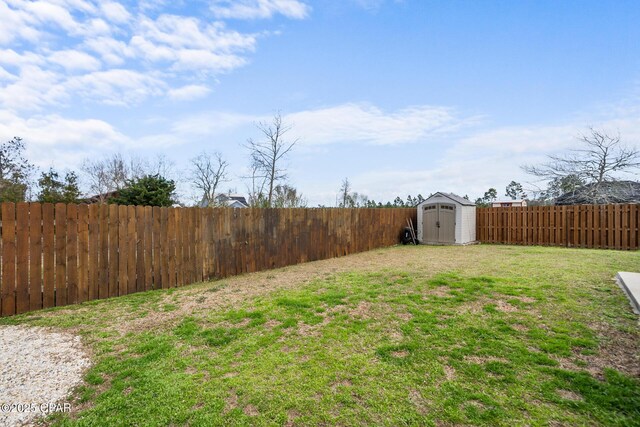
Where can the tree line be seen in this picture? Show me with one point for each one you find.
(587, 173)
(135, 181)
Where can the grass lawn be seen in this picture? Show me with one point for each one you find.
(478, 335)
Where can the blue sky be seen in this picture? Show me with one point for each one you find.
(402, 97)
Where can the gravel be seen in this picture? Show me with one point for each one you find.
(38, 370)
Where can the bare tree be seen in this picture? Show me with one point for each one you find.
(345, 193)
(160, 166)
(255, 188)
(112, 173)
(602, 160)
(286, 196)
(267, 156)
(351, 199)
(208, 171)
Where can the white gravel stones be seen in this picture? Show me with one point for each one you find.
(38, 369)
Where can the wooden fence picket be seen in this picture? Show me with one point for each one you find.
(8, 285)
(48, 256)
(35, 256)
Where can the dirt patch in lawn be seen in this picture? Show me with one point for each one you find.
(272, 323)
(618, 350)
(505, 307)
(231, 402)
(473, 307)
(481, 360)
(569, 395)
(362, 310)
(440, 291)
(341, 383)
(520, 327)
(420, 403)
(449, 372)
(292, 416)
(251, 411)
(526, 300)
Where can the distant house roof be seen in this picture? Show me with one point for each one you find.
(236, 204)
(608, 192)
(232, 200)
(98, 198)
(453, 197)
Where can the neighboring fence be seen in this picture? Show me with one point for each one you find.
(585, 226)
(66, 254)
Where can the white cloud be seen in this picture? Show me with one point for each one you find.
(73, 60)
(203, 60)
(189, 32)
(189, 45)
(49, 13)
(115, 12)
(92, 28)
(15, 25)
(162, 53)
(259, 9)
(519, 139)
(66, 141)
(345, 123)
(34, 88)
(365, 123)
(114, 52)
(117, 87)
(79, 5)
(189, 92)
(14, 59)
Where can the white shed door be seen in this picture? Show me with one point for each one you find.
(439, 223)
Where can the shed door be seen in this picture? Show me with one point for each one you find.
(430, 224)
(439, 223)
(447, 218)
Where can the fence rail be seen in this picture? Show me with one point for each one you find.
(55, 255)
(584, 226)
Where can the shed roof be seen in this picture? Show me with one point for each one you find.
(454, 197)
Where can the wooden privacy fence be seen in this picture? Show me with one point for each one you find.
(55, 255)
(585, 226)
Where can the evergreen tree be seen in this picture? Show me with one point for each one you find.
(514, 191)
(15, 170)
(150, 190)
(71, 190)
(54, 190)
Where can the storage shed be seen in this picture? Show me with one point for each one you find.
(446, 219)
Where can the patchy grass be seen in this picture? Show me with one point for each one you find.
(481, 335)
